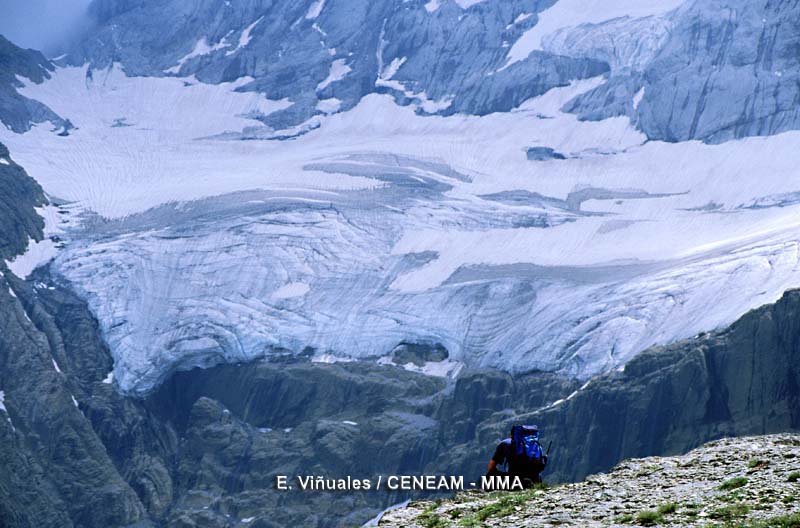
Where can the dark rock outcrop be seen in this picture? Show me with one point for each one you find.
(16, 111)
(543, 154)
(19, 221)
(717, 70)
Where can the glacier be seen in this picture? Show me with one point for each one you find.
(511, 182)
(383, 226)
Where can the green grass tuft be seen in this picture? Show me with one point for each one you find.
(730, 512)
(794, 476)
(648, 518)
(733, 483)
(668, 508)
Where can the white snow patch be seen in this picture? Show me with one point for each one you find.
(315, 9)
(392, 68)
(10, 291)
(74, 401)
(440, 369)
(247, 520)
(245, 37)
(3, 408)
(464, 4)
(55, 365)
(202, 47)
(339, 69)
(330, 358)
(522, 17)
(116, 172)
(292, 289)
(426, 104)
(430, 106)
(287, 430)
(329, 106)
(37, 254)
(348, 422)
(41, 252)
(109, 379)
(322, 32)
(432, 5)
(637, 98)
(4, 161)
(571, 13)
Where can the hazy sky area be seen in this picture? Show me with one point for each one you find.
(40, 24)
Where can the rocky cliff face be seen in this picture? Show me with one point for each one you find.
(751, 481)
(16, 111)
(21, 195)
(444, 57)
(707, 70)
(711, 71)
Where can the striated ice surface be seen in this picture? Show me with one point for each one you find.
(380, 226)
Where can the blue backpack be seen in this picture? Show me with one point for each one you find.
(525, 443)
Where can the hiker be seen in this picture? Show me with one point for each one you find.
(519, 455)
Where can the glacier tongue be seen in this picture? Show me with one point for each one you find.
(383, 227)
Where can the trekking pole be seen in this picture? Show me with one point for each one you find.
(548, 448)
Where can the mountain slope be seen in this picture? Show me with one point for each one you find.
(16, 111)
(749, 481)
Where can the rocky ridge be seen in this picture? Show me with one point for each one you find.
(748, 481)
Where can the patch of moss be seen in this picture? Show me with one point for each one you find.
(731, 484)
(624, 519)
(794, 476)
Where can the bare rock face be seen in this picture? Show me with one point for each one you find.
(16, 111)
(712, 71)
(20, 196)
(748, 480)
